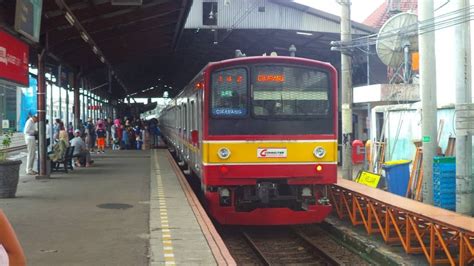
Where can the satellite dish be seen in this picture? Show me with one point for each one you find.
(398, 32)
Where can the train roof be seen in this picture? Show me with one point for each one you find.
(276, 59)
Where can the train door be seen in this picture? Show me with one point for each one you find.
(199, 128)
(180, 129)
(192, 128)
(185, 133)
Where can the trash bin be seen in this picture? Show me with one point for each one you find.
(397, 174)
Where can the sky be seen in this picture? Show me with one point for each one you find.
(360, 9)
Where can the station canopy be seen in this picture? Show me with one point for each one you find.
(159, 45)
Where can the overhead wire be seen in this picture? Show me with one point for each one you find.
(446, 20)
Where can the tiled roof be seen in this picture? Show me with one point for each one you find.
(384, 12)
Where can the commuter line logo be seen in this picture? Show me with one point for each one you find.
(272, 153)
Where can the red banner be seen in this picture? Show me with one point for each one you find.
(13, 59)
(94, 107)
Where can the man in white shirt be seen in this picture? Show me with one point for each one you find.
(29, 131)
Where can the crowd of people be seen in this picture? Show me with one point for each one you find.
(92, 137)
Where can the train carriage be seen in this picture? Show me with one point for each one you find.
(261, 135)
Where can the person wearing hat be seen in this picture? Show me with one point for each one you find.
(80, 150)
(29, 132)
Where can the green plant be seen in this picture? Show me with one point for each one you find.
(6, 142)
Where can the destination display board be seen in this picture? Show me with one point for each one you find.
(28, 18)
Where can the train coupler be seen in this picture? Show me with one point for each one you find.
(265, 190)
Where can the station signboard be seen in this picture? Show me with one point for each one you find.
(14, 55)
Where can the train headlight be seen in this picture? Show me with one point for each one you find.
(306, 192)
(223, 153)
(319, 152)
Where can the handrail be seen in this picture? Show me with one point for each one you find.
(444, 237)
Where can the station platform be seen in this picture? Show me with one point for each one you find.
(128, 209)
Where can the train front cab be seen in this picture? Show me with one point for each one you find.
(272, 193)
(269, 147)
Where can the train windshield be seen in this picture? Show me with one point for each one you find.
(287, 91)
(229, 93)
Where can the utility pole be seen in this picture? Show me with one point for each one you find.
(428, 96)
(462, 72)
(346, 87)
(77, 101)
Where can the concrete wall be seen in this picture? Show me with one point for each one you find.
(404, 126)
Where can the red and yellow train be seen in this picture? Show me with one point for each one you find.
(261, 135)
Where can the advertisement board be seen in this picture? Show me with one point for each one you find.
(14, 55)
(28, 102)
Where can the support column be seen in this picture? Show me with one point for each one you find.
(85, 110)
(59, 81)
(41, 103)
(96, 103)
(67, 106)
(77, 102)
(51, 110)
(462, 83)
(428, 96)
(84, 101)
(346, 86)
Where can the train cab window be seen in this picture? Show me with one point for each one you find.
(285, 91)
(229, 93)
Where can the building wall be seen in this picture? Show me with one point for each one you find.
(403, 126)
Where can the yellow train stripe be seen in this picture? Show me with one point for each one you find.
(269, 141)
(275, 163)
(248, 152)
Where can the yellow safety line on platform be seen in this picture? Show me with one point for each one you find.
(168, 252)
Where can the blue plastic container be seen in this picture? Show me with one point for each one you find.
(444, 182)
(397, 174)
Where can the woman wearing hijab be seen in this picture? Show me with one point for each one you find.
(116, 134)
(59, 149)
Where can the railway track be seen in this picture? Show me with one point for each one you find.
(286, 245)
(12, 149)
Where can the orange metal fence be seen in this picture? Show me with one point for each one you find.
(441, 243)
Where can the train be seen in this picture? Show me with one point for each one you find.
(260, 135)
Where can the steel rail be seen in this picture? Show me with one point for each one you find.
(331, 260)
(255, 248)
(17, 148)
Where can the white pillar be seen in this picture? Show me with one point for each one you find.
(428, 96)
(462, 84)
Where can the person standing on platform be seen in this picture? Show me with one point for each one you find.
(48, 134)
(70, 130)
(138, 137)
(108, 129)
(101, 135)
(30, 133)
(90, 129)
(56, 129)
(114, 130)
